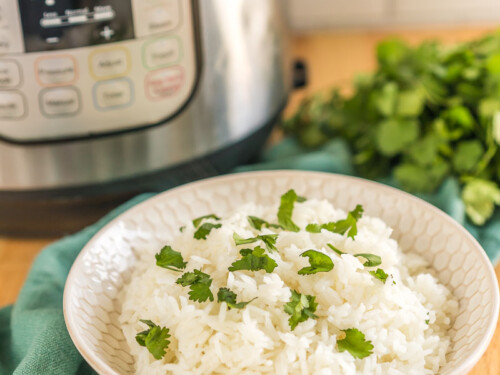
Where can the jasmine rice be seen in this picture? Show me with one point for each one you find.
(365, 308)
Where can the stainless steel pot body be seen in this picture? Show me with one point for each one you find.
(242, 82)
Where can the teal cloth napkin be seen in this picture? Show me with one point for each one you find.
(33, 335)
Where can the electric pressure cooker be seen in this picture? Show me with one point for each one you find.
(102, 99)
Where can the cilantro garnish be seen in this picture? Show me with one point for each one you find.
(372, 260)
(318, 261)
(226, 295)
(268, 239)
(170, 259)
(355, 343)
(199, 284)
(316, 228)
(301, 307)
(204, 230)
(348, 224)
(285, 210)
(335, 249)
(198, 220)
(254, 260)
(182, 229)
(258, 223)
(379, 274)
(155, 339)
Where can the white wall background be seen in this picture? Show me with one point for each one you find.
(307, 15)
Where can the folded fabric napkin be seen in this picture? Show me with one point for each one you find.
(33, 335)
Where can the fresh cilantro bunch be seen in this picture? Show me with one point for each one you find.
(427, 113)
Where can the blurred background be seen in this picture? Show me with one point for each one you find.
(308, 16)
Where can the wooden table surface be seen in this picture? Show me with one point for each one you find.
(333, 58)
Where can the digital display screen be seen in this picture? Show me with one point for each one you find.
(64, 24)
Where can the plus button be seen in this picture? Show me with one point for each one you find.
(107, 32)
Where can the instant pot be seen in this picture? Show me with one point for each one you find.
(101, 100)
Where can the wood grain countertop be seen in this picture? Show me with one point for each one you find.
(333, 58)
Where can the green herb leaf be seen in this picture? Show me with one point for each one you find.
(197, 221)
(341, 226)
(410, 103)
(393, 136)
(170, 259)
(268, 239)
(350, 223)
(254, 260)
(335, 249)
(480, 197)
(258, 223)
(285, 210)
(418, 178)
(316, 228)
(226, 295)
(301, 307)
(372, 260)
(204, 230)
(155, 339)
(379, 274)
(355, 343)
(318, 261)
(199, 284)
(467, 155)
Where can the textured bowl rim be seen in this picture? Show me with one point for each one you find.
(104, 369)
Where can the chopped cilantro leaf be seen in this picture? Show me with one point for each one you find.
(155, 339)
(199, 284)
(316, 228)
(285, 210)
(254, 260)
(318, 261)
(301, 307)
(335, 249)
(198, 220)
(226, 295)
(348, 224)
(372, 260)
(379, 274)
(181, 229)
(258, 223)
(268, 239)
(170, 259)
(355, 343)
(204, 230)
(427, 321)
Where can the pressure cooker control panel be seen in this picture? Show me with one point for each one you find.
(77, 68)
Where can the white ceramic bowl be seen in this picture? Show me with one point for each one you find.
(91, 306)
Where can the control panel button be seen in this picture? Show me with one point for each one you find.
(161, 52)
(116, 93)
(109, 63)
(10, 74)
(151, 17)
(60, 101)
(12, 105)
(163, 83)
(56, 70)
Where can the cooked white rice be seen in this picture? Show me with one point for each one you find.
(208, 338)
